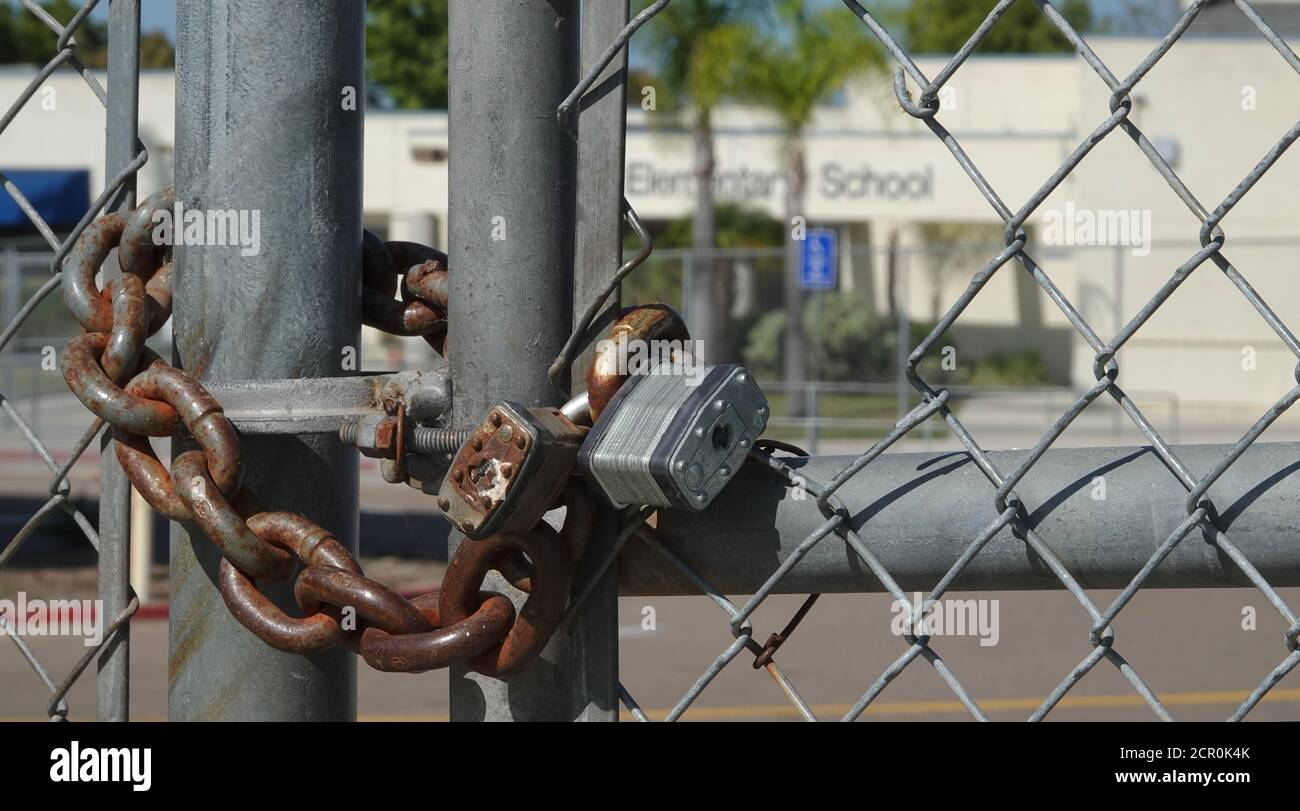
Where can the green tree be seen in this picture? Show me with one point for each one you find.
(943, 26)
(738, 228)
(853, 343)
(696, 44)
(9, 47)
(25, 39)
(799, 60)
(156, 50)
(406, 51)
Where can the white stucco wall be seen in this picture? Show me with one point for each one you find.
(873, 168)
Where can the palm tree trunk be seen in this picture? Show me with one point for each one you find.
(891, 275)
(793, 345)
(704, 300)
(720, 348)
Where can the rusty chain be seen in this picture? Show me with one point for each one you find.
(404, 293)
(420, 273)
(140, 396)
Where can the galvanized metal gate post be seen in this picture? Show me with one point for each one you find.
(511, 253)
(113, 684)
(598, 249)
(269, 106)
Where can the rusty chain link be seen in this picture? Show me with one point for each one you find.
(404, 292)
(420, 273)
(139, 395)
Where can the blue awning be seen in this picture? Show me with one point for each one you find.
(60, 196)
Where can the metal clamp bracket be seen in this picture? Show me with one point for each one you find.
(322, 405)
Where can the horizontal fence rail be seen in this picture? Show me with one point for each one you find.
(918, 512)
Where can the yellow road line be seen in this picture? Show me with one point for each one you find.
(934, 707)
(952, 706)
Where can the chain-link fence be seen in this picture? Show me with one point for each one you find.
(125, 155)
(1008, 512)
(837, 521)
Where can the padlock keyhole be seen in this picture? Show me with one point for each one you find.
(722, 436)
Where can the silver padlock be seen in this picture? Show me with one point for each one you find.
(674, 440)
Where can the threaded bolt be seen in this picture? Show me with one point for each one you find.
(425, 439)
(348, 432)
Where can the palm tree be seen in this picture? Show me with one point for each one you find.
(797, 61)
(695, 44)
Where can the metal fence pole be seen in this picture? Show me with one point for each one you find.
(11, 292)
(269, 106)
(113, 684)
(511, 250)
(598, 249)
(903, 333)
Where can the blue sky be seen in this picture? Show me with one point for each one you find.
(154, 15)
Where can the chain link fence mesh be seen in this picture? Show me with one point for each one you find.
(1007, 509)
(59, 491)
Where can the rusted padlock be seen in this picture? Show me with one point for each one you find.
(510, 471)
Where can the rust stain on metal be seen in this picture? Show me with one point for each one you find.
(89, 382)
(480, 480)
(374, 602)
(222, 523)
(541, 612)
(430, 650)
(419, 273)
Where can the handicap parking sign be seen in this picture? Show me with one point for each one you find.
(818, 269)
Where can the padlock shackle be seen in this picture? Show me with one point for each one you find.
(609, 365)
(578, 410)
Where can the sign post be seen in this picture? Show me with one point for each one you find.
(818, 271)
